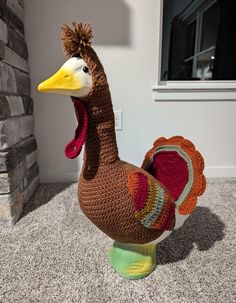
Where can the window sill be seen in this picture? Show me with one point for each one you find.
(195, 91)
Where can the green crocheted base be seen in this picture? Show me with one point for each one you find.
(133, 261)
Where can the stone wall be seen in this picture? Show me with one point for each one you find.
(18, 166)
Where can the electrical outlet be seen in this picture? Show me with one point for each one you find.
(118, 119)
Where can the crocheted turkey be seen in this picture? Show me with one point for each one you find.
(137, 207)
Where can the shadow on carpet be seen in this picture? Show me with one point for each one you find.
(44, 194)
(202, 229)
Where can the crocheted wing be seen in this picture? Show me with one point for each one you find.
(153, 205)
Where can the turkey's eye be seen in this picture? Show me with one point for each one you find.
(85, 69)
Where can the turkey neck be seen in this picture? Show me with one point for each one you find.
(100, 145)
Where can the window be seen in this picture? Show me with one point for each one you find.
(202, 42)
(197, 47)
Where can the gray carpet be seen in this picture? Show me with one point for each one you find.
(54, 254)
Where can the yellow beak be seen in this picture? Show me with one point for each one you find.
(64, 81)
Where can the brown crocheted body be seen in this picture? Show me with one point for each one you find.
(106, 202)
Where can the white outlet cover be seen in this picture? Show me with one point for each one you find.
(118, 119)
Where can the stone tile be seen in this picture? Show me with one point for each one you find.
(15, 177)
(7, 79)
(22, 81)
(8, 159)
(11, 206)
(16, 8)
(21, 2)
(17, 43)
(26, 126)
(31, 159)
(5, 209)
(5, 183)
(3, 31)
(29, 191)
(10, 133)
(4, 108)
(11, 18)
(28, 105)
(15, 60)
(18, 166)
(15, 105)
(31, 173)
(20, 173)
(2, 50)
(28, 146)
(14, 155)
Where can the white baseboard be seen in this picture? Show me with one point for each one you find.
(58, 177)
(220, 171)
(61, 176)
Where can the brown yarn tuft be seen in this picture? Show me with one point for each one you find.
(77, 38)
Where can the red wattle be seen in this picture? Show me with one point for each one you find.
(73, 148)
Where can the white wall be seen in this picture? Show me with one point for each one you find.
(126, 42)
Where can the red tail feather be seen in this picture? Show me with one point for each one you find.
(177, 165)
